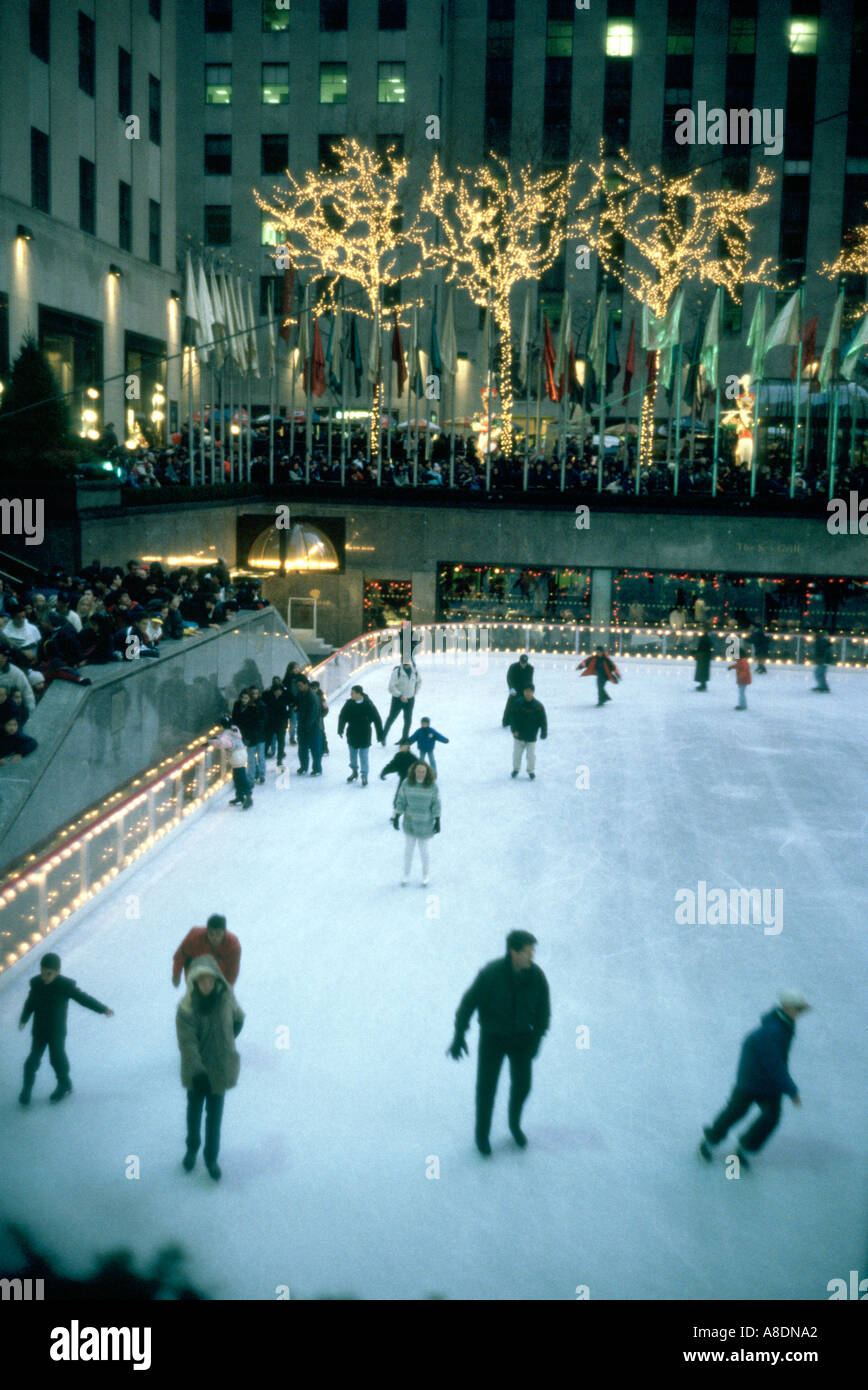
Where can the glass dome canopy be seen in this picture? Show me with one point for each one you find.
(302, 548)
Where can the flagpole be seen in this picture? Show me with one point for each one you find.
(389, 409)
(601, 453)
(454, 376)
(343, 386)
(539, 367)
(308, 382)
(273, 407)
(677, 419)
(202, 420)
(249, 426)
(644, 387)
(527, 374)
(832, 442)
(796, 404)
(190, 449)
(487, 341)
(716, 405)
(378, 401)
(853, 426)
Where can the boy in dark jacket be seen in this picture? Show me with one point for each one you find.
(518, 677)
(527, 719)
(358, 716)
(401, 763)
(425, 738)
(48, 1000)
(762, 1078)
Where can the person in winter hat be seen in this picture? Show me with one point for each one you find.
(207, 1022)
(418, 801)
(358, 716)
(604, 668)
(401, 763)
(232, 741)
(518, 678)
(763, 1078)
(703, 660)
(425, 738)
(47, 1002)
(527, 719)
(741, 666)
(404, 686)
(511, 995)
(212, 940)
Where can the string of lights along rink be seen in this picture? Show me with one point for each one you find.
(347, 1151)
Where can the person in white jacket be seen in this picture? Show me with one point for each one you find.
(404, 684)
(233, 742)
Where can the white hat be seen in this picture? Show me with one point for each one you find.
(793, 999)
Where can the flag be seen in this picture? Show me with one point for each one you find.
(613, 362)
(524, 341)
(710, 353)
(398, 353)
(809, 348)
(549, 360)
(757, 335)
(318, 376)
(829, 362)
(785, 326)
(692, 392)
(630, 364)
(334, 355)
(191, 305)
(219, 315)
(416, 383)
(565, 337)
(652, 330)
(270, 331)
(597, 344)
(575, 390)
(286, 302)
(854, 351)
(206, 318)
(252, 345)
(355, 355)
(671, 335)
(436, 363)
(238, 328)
(374, 355)
(448, 343)
(303, 342)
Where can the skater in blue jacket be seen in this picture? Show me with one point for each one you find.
(424, 738)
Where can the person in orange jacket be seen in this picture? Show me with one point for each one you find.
(741, 666)
(604, 668)
(213, 940)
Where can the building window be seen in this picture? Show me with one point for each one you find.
(125, 216)
(275, 15)
(87, 196)
(155, 9)
(40, 29)
(390, 83)
(742, 35)
(271, 233)
(275, 154)
(332, 15)
(390, 143)
(40, 170)
(4, 335)
(333, 84)
(275, 84)
(218, 84)
(619, 38)
(329, 159)
(125, 82)
(218, 16)
(154, 109)
(218, 224)
(803, 35)
(393, 14)
(86, 53)
(218, 154)
(155, 240)
(559, 39)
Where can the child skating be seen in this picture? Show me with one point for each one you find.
(47, 1002)
(425, 738)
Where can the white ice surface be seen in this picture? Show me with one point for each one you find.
(325, 1145)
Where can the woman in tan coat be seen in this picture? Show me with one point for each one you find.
(208, 1021)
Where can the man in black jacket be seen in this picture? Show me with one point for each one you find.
(309, 729)
(527, 719)
(253, 724)
(822, 659)
(276, 703)
(48, 1000)
(518, 678)
(512, 997)
(358, 715)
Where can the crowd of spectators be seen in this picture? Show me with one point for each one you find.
(58, 628)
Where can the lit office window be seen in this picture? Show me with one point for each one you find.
(803, 35)
(275, 84)
(271, 232)
(742, 35)
(619, 38)
(275, 15)
(559, 39)
(390, 83)
(218, 84)
(333, 84)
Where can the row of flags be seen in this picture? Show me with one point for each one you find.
(219, 309)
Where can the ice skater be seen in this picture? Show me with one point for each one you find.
(207, 1022)
(418, 801)
(425, 738)
(519, 675)
(212, 940)
(310, 730)
(401, 763)
(762, 1079)
(358, 716)
(822, 659)
(232, 741)
(741, 666)
(759, 643)
(404, 685)
(703, 660)
(604, 668)
(511, 995)
(527, 719)
(48, 1001)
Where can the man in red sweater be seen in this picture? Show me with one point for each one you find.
(213, 940)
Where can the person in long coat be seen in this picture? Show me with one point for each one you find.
(207, 1022)
(418, 801)
(703, 660)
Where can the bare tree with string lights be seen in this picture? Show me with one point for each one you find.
(654, 232)
(497, 228)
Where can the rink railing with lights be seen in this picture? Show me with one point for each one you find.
(86, 855)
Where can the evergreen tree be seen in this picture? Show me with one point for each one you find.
(34, 421)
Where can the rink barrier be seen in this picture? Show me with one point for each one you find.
(37, 897)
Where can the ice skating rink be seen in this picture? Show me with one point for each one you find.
(329, 1145)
